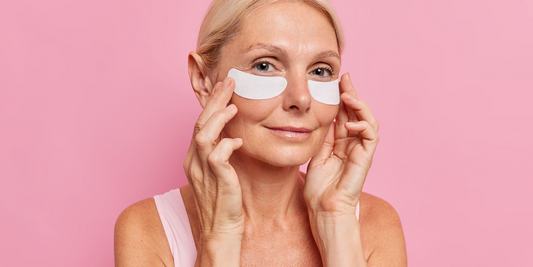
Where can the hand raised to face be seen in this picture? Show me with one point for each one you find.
(215, 184)
(337, 173)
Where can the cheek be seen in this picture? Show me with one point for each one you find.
(325, 117)
(254, 110)
(326, 113)
(249, 112)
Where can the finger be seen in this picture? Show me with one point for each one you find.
(347, 85)
(369, 137)
(220, 166)
(348, 88)
(207, 138)
(340, 120)
(228, 202)
(201, 187)
(222, 93)
(327, 147)
(361, 109)
(359, 158)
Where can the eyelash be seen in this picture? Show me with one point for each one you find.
(255, 63)
(261, 62)
(326, 68)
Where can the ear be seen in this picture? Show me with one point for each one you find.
(200, 81)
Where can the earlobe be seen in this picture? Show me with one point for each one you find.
(200, 81)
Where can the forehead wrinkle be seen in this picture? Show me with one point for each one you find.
(271, 48)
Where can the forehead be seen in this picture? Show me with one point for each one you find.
(295, 27)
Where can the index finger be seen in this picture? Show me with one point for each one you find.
(219, 99)
(347, 86)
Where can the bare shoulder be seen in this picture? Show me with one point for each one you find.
(140, 239)
(377, 210)
(381, 232)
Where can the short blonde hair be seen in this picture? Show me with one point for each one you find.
(224, 20)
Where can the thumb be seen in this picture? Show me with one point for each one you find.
(327, 147)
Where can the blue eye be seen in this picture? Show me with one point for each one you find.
(264, 66)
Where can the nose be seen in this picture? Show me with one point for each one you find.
(296, 95)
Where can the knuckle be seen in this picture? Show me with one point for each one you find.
(214, 93)
(198, 127)
(215, 159)
(201, 138)
(219, 115)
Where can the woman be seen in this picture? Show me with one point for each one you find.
(247, 203)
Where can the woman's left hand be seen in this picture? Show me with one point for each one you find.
(335, 176)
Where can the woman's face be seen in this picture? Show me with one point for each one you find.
(295, 41)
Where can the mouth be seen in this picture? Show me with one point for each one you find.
(291, 132)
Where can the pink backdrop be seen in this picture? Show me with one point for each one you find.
(96, 113)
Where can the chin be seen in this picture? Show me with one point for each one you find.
(291, 162)
(297, 158)
(284, 156)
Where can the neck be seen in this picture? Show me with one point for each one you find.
(270, 194)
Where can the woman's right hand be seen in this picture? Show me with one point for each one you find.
(216, 188)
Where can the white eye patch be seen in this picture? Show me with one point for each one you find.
(261, 87)
(325, 92)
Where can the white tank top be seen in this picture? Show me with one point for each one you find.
(175, 221)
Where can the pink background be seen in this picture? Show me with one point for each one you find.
(96, 113)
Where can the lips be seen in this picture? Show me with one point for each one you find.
(291, 132)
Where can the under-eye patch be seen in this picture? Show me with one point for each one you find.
(262, 87)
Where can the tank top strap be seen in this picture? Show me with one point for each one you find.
(177, 228)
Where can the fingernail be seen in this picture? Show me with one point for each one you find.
(351, 124)
(226, 83)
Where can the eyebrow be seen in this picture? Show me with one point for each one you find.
(271, 48)
(278, 50)
(328, 53)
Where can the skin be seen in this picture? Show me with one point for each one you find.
(247, 202)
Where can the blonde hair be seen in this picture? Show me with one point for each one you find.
(224, 20)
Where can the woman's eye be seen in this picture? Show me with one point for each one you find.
(264, 66)
(322, 72)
